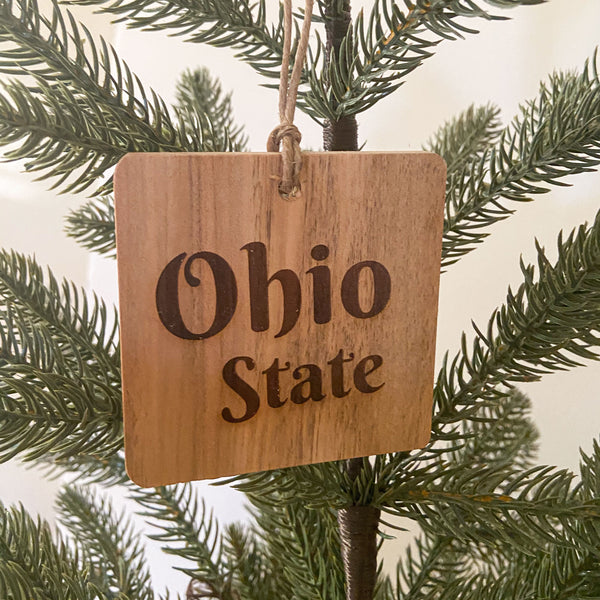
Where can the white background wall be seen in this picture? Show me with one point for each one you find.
(503, 64)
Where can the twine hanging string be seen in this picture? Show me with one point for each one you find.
(286, 134)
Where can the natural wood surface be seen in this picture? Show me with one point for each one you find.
(223, 283)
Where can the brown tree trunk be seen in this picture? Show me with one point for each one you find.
(342, 134)
(358, 524)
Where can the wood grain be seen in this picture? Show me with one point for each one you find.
(197, 309)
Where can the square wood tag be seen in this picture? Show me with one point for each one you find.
(260, 333)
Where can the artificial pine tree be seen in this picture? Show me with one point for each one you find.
(493, 524)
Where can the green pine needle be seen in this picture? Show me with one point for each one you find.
(34, 566)
(238, 24)
(471, 570)
(550, 323)
(555, 135)
(108, 541)
(303, 544)
(383, 47)
(502, 433)
(93, 226)
(59, 367)
(462, 140)
(255, 577)
(189, 531)
(85, 109)
(201, 96)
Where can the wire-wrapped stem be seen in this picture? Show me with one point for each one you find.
(358, 531)
(358, 524)
(343, 134)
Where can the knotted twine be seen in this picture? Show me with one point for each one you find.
(286, 134)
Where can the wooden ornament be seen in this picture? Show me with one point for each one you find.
(260, 333)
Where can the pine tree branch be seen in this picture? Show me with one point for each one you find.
(224, 23)
(82, 329)
(55, 138)
(484, 505)
(108, 541)
(300, 528)
(502, 433)
(551, 572)
(465, 138)
(428, 570)
(93, 226)
(320, 485)
(237, 24)
(358, 75)
(384, 47)
(43, 413)
(85, 107)
(76, 140)
(198, 95)
(175, 510)
(556, 135)
(201, 96)
(255, 576)
(34, 566)
(88, 468)
(548, 324)
(323, 488)
(548, 571)
(59, 368)
(305, 544)
(499, 434)
(58, 49)
(557, 574)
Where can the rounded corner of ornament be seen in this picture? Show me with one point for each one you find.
(132, 472)
(124, 162)
(438, 161)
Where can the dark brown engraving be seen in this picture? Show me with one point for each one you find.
(314, 381)
(167, 294)
(337, 373)
(382, 287)
(273, 386)
(361, 372)
(259, 291)
(226, 295)
(243, 389)
(321, 286)
(309, 386)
